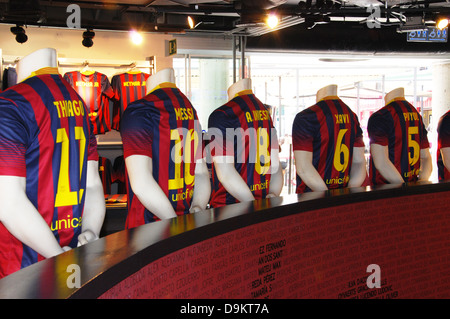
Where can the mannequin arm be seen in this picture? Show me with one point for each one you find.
(425, 165)
(22, 219)
(445, 152)
(202, 188)
(94, 206)
(381, 160)
(231, 180)
(276, 180)
(307, 172)
(145, 187)
(358, 171)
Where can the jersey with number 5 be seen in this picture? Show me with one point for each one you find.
(329, 129)
(47, 138)
(163, 126)
(399, 126)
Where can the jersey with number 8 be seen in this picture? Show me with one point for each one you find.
(329, 129)
(164, 126)
(46, 137)
(399, 126)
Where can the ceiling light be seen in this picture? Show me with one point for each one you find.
(136, 37)
(88, 35)
(272, 21)
(19, 32)
(442, 23)
(191, 22)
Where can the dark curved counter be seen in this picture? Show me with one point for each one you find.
(317, 245)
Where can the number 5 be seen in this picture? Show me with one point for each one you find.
(414, 145)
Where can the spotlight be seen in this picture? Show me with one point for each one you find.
(272, 21)
(191, 22)
(88, 35)
(136, 37)
(19, 32)
(442, 23)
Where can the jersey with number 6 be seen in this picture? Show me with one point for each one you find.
(398, 126)
(45, 137)
(163, 126)
(330, 130)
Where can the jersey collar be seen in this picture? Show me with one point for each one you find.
(163, 86)
(396, 99)
(46, 70)
(330, 97)
(244, 92)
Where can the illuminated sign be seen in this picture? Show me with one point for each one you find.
(430, 35)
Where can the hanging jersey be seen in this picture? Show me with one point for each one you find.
(128, 87)
(242, 128)
(164, 126)
(106, 173)
(96, 90)
(443, 142)
(399, 126)
(330, 130)
(46, 137)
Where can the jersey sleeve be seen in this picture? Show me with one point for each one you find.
(137, 132)
(378, 129)
(359, 140)
(106, 87)
(13, 140)
(444, 131)
(221, 133)
(92, 150)
(303, 131)
(424, 143)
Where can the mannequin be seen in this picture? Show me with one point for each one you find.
(18, 214)
(239, 86)
(140, 169)
(225, 168)
(163, 76)
(327, 91)
(380, 153)
(305, 167)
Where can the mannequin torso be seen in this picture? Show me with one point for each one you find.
(241, 85)
(330, 90)
(163, 76)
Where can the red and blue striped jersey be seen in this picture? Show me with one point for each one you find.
(330, 130)
(46, 137)
(399, 126)
(96, 90)
(164, 126)
(443, 131)
(242, 128)
(128, 87)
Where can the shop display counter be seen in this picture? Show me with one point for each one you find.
(388, 242)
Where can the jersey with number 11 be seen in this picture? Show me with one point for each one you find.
(329, 129)
(45, 137)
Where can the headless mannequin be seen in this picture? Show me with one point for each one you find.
(226, 171)
(140, 171)
(19, 215)
(327, 91)
(380, 153)
(304, 159)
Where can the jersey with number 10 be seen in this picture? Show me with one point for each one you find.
(47, 138)
(399, 126)
(443, 131)
(329, 129)
(163, 126)
(243, 129)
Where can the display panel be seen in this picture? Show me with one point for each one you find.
(325, 253)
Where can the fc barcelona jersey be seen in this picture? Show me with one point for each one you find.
(96, 90)
(399, 126)
(443, 142)
(330, 130)
(46, 137)
(164, 126)
(128, 87)
(242, 128)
